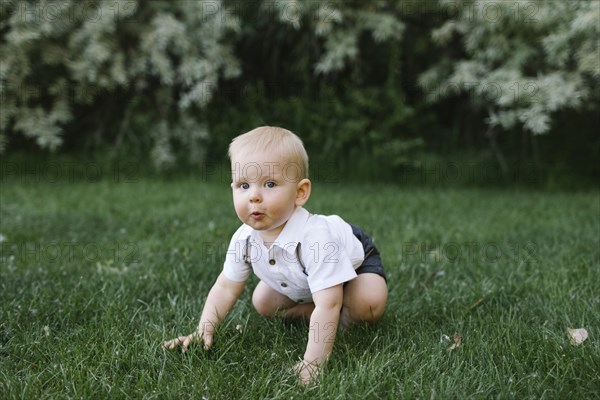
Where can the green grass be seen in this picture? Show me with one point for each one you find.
(94, 276)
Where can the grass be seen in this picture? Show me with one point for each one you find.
(94, 276)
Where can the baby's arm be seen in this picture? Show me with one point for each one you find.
(323, 327)
(220, 301)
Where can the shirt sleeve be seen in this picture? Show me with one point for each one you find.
(234, 267)
(326, 261)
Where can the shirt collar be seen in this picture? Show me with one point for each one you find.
(291, 232)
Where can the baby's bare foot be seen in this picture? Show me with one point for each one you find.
(345, 320)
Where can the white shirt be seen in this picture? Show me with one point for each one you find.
(329, 252)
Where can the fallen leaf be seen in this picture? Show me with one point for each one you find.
(577, 336)
(457, 341)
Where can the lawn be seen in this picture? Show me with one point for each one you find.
(95, 275)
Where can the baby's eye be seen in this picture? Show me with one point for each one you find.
(245, 186)
(270, 184)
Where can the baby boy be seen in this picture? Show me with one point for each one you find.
(310, 266)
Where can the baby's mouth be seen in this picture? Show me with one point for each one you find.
(257, 215)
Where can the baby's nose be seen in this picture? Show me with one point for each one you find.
(255, 196)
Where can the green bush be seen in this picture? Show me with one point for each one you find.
(375, 88)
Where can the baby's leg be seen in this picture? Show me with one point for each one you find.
(271, 303)
(364, 299)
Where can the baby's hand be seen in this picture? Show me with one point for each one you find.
(185, 341)
(307, 372)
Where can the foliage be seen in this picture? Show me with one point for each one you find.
(522, 61)
(348, 130)
(159, 58)
(172, 80)
(345, 100)
(340, 26)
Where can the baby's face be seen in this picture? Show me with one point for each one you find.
(264, 192)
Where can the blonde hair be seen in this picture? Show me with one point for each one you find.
(272, 140)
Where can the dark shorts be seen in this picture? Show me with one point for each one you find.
(372, 262)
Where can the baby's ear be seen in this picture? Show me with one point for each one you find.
(303, 191)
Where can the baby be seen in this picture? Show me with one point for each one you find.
(310, 266)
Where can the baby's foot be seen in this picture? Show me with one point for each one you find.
(345, 320)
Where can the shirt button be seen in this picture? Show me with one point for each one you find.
(272, 261)
(283, 284)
